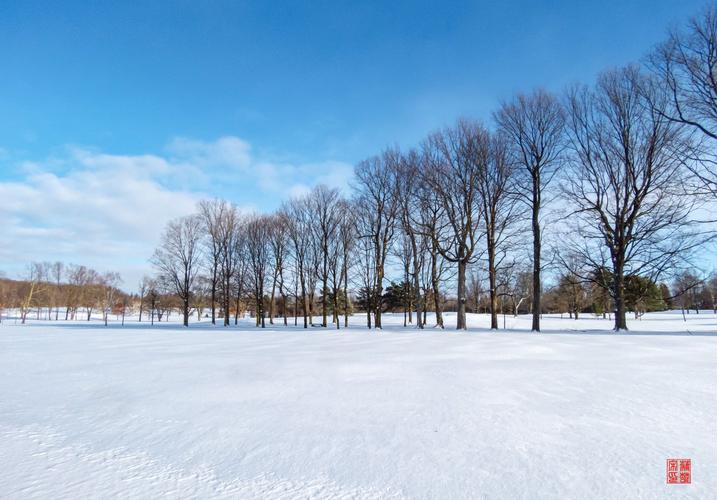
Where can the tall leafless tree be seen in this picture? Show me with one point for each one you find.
(409, 199)
(214, 214)
(427, 218)
(278, 255)
(324, 204)
(534, 125)
(456, 157)
(296, 213)
(178, 258)
(229, 232)
(346, 245)
(625, 181)
(109, 291)
(686, 66)
(376, 199)
(258, 249)
(496, 185)
(142, 288)
(36, 283)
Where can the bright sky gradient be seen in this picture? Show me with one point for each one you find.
(116, 116)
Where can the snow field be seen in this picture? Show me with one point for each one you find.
(138, 412)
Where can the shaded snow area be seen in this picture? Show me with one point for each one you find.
(576, 411)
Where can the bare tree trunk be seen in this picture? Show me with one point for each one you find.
(185, 311)
(416, 284)
(271, 302)
(536, 253)
(407, 294)
(226, 301)
(461, 315)
(214, 295)
(378, 292)
(336, 308)
(345, 272)
(419, 305)
(305, 306)
(324, 298)
(493, 285)
(436, 289)
(620, 309)
(283, 308)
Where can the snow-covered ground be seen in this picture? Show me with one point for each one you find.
(139, 412)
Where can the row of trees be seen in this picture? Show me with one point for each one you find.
(70, 298)
(53, 288)
(627, 162)
(297, 257)
(57, 291)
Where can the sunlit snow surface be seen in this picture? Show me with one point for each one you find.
(576, 411)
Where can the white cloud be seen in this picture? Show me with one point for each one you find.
(108, 211)
(104, 211)
(226, 151)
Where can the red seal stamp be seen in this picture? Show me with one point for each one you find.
(679, 471)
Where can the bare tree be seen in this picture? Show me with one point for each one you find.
(345, 248)
(686, 290)
(214, 216)
(376, 200)
(277, 236)
(78, 278)
(498, 207)
(258, 254)
(178, 257)
(475, 291)
(456, 157)
(409, 199)
(517, 287)
(339, 251)
(241, 273)
(91, 291)
(685, 65)
(298, 222)
(201, 297)
(229, 234)
(626, 173)
(57, 270)
(534, 125)
(153, 297)
(108, 283)
(366, 268)
(142, 288)
(571, 291)
(36, 280)
(428, 218)
(324, 204)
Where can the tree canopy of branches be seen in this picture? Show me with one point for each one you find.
(456, 158)
(178, 257)
(685, 67)
(376, 201)
(624, 181)
(534, 126)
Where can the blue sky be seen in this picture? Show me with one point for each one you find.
(144, 107)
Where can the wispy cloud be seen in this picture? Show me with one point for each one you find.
(108, 210)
